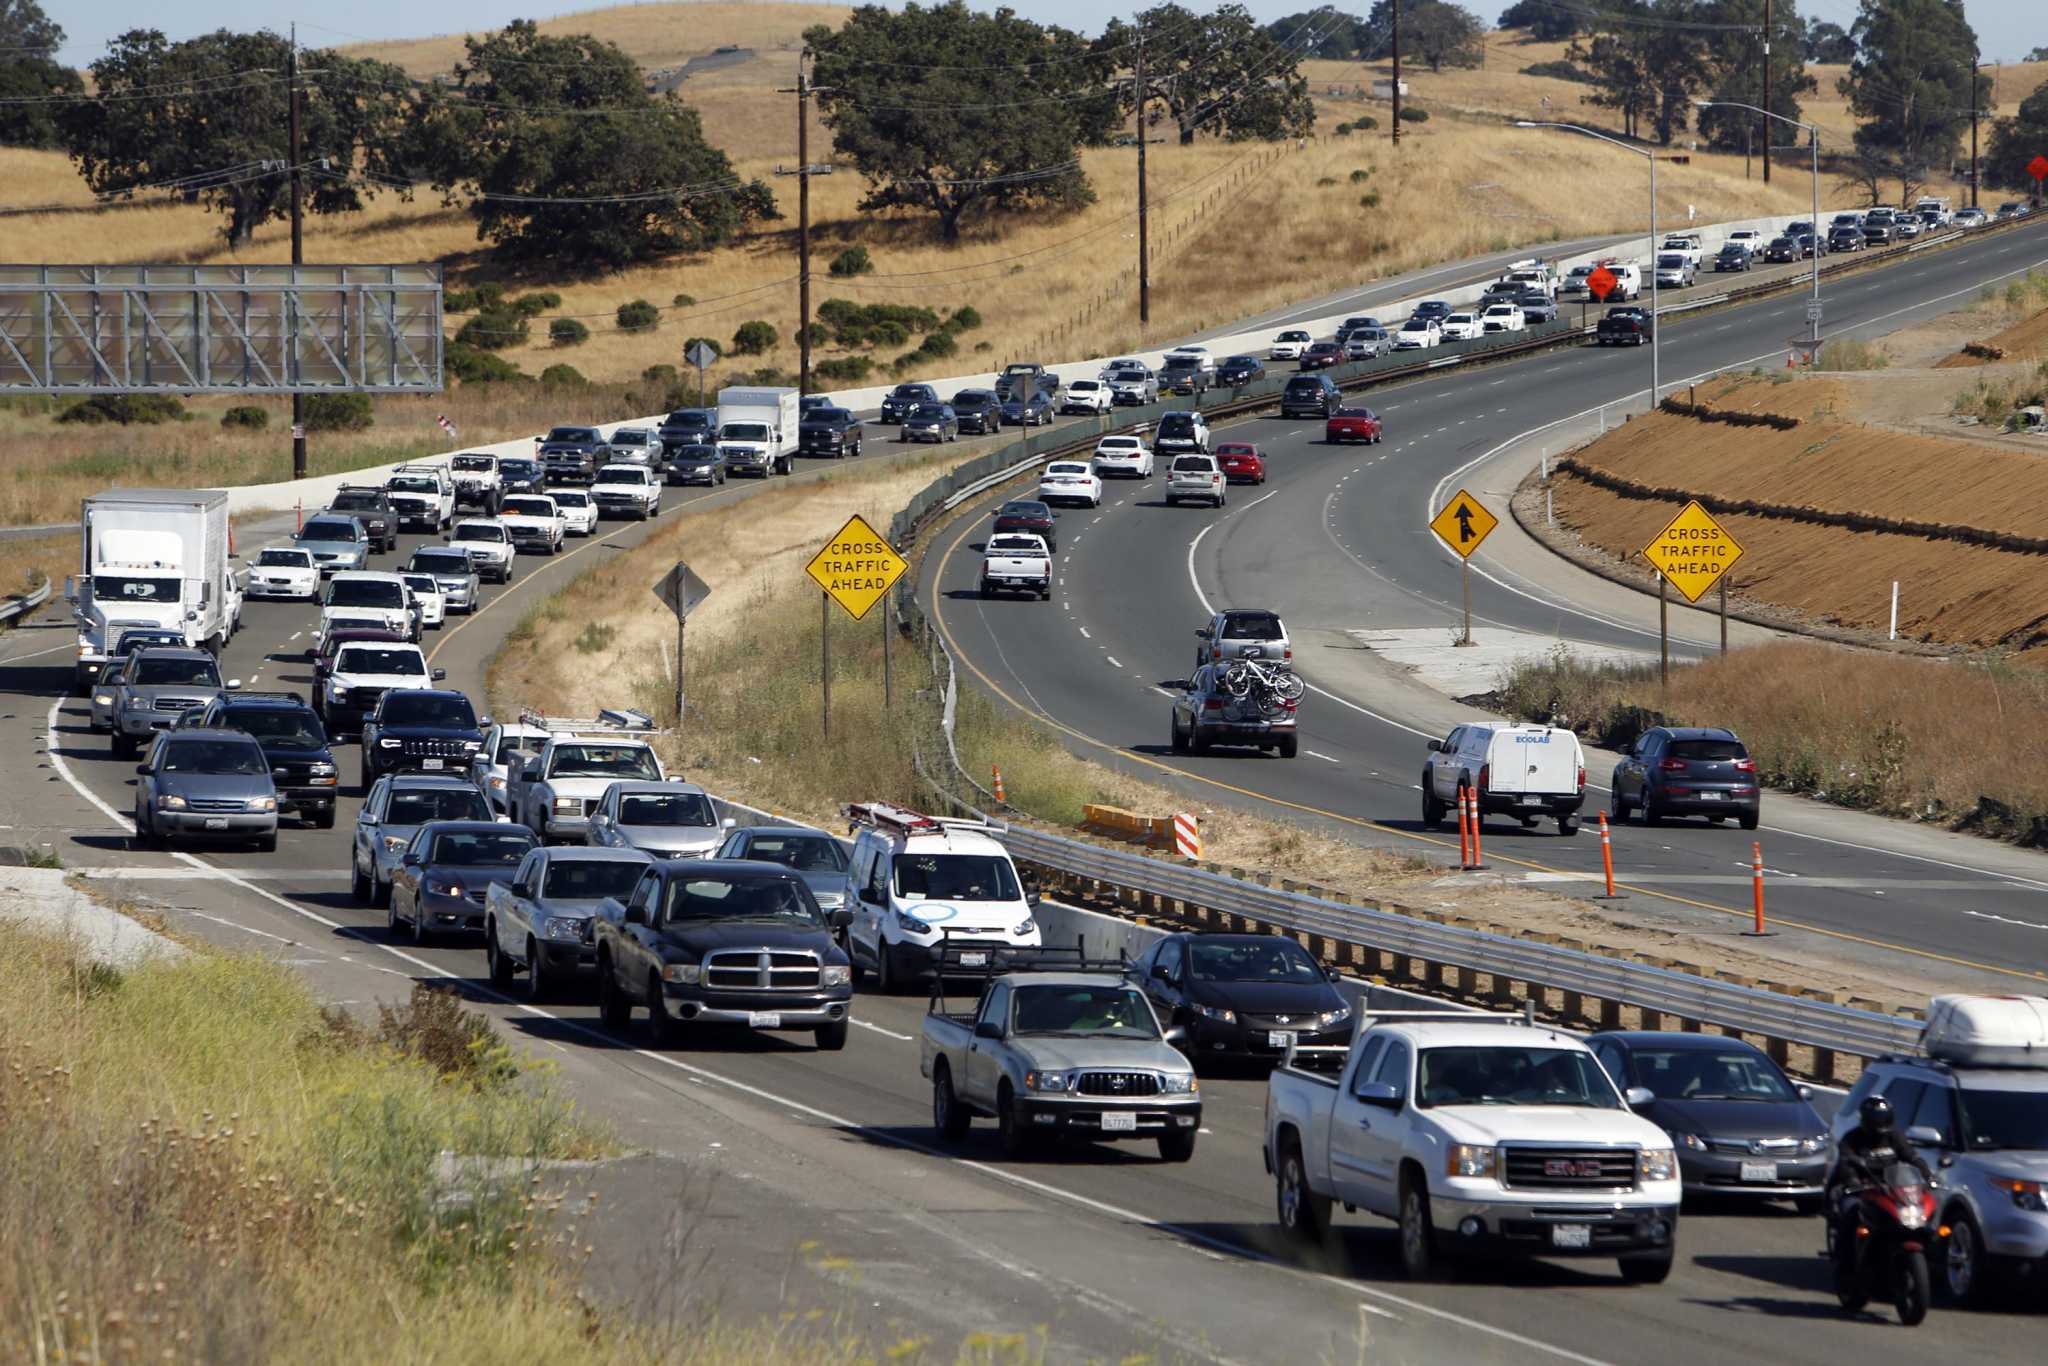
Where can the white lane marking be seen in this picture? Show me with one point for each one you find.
(16, 659)
(293, 636)
(1324, 757)
(1112, 662)
(1084, 632)
(879, 1030)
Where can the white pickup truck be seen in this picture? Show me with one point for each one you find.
(553, 792)
(1016, 562)
(1480, 1135)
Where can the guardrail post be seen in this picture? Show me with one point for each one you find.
(1610, 1015)
(1824, 1064)
(1574, 1007)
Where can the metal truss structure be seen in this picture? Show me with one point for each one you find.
(220, 329)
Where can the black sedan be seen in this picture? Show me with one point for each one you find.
(1321, 356)
(694, 462)
(439, 884)
(828, 431)
(1028, 515)
(1734, 256)
(931, 422)
(1036, 411)
(1782, 249)
(978, 410)
(1240, 370)
(1241, 995)
(520, 475)
(1739, 1126)
(1846, 239)
(1536, 306)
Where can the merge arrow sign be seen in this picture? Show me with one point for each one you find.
(1463, 524)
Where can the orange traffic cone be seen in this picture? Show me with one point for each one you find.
(999, 782)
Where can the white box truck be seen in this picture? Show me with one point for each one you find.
(756, 430)
(150, 557)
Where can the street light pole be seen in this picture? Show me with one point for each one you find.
(1656, 329)
(1813, 141)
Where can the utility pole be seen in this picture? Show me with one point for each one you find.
(1976, 71)
(298, 258)
(1144, 252)
(1397, 73)
(1767, 97)
(803, 90)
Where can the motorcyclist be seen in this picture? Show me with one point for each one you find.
(1862, 1157)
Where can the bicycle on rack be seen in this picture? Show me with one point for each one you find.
(1271, 686)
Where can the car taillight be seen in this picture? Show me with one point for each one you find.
(1484, 771)
(1212, 704)
(1287, 653)
(1745, 765)
(1582, 775)
(1672, 765)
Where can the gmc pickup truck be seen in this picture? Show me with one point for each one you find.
(1068, 1052)
(1627, 325)
(1480, 1135)
(552, 792)
(1016, 563)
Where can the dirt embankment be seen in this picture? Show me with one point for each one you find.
(1831, 512)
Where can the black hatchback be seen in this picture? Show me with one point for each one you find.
(1310, 396)
(1686, 771)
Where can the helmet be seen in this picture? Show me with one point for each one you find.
(1876, 1113)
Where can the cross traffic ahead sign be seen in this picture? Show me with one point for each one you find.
(856, 567)
(1463, 524)
(1693, 551)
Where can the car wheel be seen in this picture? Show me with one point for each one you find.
(418, 921)
(540, 983)
(1304, 1215)
(1651, 1270)
(1289, 746)
(614, 1010)
(267, 844)
(1418, 1239)
(949, 1116)
(1748, 820)
(1177, 1145)
(1568, 824)
(358, 885)
(145, 836)
(390, 918)
(831, 1038)
(1651, 815)
(1179, 742)
(885, 975)
(380, 891)
(1962, 1263)
(1014, 1138)
(501, 968)
(663, 1029)
(1432, 809)
(1617, 808)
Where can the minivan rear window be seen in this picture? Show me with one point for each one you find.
(1252, 626)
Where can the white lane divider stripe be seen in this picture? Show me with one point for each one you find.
(1324, 757)
(879, 1030)
(1112, 662)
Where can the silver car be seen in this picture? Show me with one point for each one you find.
(336, 542)
(664, 820)
(206, 785)
(631, 446)
(113, 671)
(451, 569)
(539, 923)
(821, 860)
(398, 804)
(156, 686)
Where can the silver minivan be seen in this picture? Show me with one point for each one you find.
(1243, 632)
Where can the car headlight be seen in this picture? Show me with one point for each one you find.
(682, 974)
(1817, 1144)
(1027, 926)
(337, 690)
(1333, 1017)
(1049, 1081)
(170, 801)
(440, 886)
(1659, 1164)
(322, 770)
(1178, 1083)
(910, 924)
(263, 803)
(1692, 1141)
(387, 744)
(563, 928)
(2027, 1195)
(1468, 1159)
(103, 699)
(497, 782)
(568, 804)
(1216, 1013)
(836, 975)
(393, 843)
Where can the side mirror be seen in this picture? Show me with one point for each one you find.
(1436, 746)
(440, 674)
(1925, 1135)
(1175, 1035)
(727, 824)
(1162, 972)
(234, 684)
(1805, 1091)
(634, 915)
(1033, 898)
(839, 918)
(1203, 632)
(411, 860)
(987, 1029)
(1382, 1094)
(1639, 1096)
(142, 768)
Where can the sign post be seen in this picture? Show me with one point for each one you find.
(856, 569)
(681, 590)
(701, 355)
(1463, 524)
(1692, 553)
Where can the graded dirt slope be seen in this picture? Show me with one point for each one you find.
(1954, 588)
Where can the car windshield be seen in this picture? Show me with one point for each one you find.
(282, 727)
(802, 853)
(1708, 1074)
(586, 879)
(1719, 750)
(200, 672)
(365, 593)
(629, 436)
(424, 584)
(1513, 1075)
(132, 641)
(573, 434)
(1670, 262)
(666, 808)
(688, 417)
(831, 417)
(911, 391)
(417, 806)
(1114, 1011)
(214, 756)
(1085, 386)
(323, 530)
(957, 877)
(1024, 510)
(526, 507)
(481, 848)
(441, 561)
(744, 431)
(622, 474)
(1253, 626)
(480, 531)
(373, 659)
(470, 462)
(1414, 325)
(414, 483)
(348, 502)
(571, 498)
(285, 559)
(778, 898)
(519, 469)
(1268, 958)
(605, 761)
(443, 711)
(1994, 1119)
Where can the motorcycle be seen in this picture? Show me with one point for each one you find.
(1893, 1223)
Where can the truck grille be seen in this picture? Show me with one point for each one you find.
(219, 804)
(179, 703)
(1118, 1084)
(1599, 1169)
(762, 970)
(1774, 1147)
(431, 748)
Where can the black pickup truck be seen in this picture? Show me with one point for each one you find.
(570, 454)
(1627, 325)
(372, 507)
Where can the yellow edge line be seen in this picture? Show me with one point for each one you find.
(939, 615)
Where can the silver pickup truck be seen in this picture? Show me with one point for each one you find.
(1059, 1053)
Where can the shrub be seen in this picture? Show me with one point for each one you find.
(472, 366)
(1410, 114)
(989, 346)
(937, 346)
(683, 301)
(125, 409)
(844, 369)
(1323, 182)
(716, 349)
(1560, 71)
(494, 330)
(567, 332)
(1343, 130)
(815, 332)
(1365, 124)
(853, 261)
(754, 337)
(638, 316)
(246, 416)
(659, 374)
(888, 332)
(489, 295)
(1369, 200)
(566, 376)
(855, 324)
(595, 637)
(338, 413)
(767, 376)
(533, 305)
(458, 300)
(965, 318)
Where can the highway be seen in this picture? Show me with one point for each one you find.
(777, 1149)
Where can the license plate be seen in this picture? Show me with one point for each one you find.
(764, 1019)
(1711, 796)
(1532, 801)
(1759, 1171)
(973, 960)
(430, 763)
(1571, 1235)
(1119, 1124)
(216, 822)
(1279, 1038)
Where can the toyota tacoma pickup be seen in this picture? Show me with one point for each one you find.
(1063, 1051)
(1016, 564)
(552, 792)
(1480, 1135)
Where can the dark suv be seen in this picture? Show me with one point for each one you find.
(371, 507)
(904, 399)
(688, 427)
(978, 411)
(1182, 375)
(1686, 771)
(1310, 396)
(420, 730)
(293, 744)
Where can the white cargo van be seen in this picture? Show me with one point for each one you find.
(920, 882)
(1523, 771)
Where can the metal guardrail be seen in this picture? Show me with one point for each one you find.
(21, 606)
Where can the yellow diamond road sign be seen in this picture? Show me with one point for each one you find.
(1463, 524)
(856, 567)
(1693, 552)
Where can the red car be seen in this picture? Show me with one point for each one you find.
(1242, 463)
(1353, 424)
(1321, 356)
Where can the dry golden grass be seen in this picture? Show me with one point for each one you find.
(25, 562)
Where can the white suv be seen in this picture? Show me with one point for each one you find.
(1463, 325)
(1501, 318)
(1123, 455)
(1195, 477)
(1086, 396)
